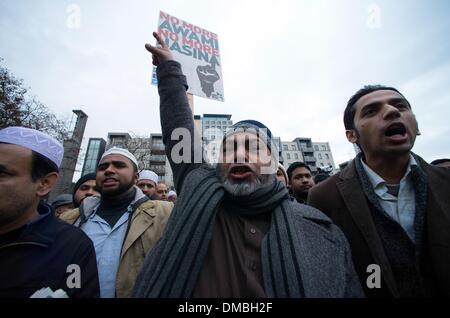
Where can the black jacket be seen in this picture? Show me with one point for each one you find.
(38, 255)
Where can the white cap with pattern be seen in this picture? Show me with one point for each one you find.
(34, 140)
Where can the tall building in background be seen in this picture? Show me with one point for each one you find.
(71, 151)
(214, 127)
(118, 139)
(314, 154)
(198, 124)
(290, 153)
(323, 155)
(306, 147)
(158, 157)
(276, 142)
(96, 148)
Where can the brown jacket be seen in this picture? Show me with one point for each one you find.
(343, 200)
(147, 224)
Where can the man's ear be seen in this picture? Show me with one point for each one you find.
(136, 177)
(351, 136)
(46, 184)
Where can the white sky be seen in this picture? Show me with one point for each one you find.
(289, 64)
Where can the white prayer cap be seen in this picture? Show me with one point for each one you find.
(122, 152)
(34, 140)
(171, 192)
(148, 175)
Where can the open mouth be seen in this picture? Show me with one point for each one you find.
(109, 182)
(240, 171)
(397, 129)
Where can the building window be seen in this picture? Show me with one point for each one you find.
(285, 147)
(316, 148)
(288, 156)
(324, 148)
(327, 156)
(319, 156)
(293, 147)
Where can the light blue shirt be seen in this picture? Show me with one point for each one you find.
(402, 208)
(108, 246)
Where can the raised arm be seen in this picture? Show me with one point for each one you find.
(175, 113)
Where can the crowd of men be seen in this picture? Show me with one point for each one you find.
(378, 228)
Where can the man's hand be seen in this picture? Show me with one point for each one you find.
(160, 53)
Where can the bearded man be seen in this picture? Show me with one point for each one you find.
(234, 232)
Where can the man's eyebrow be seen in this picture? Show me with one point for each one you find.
(6, 169)
(115, 162)
(398, 100)
(3, 167)
(118, 162)
(390, 101)
(372, 105)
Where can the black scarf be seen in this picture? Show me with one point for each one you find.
(171, 268)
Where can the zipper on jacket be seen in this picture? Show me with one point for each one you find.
(23, 243)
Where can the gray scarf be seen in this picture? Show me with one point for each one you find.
(172, 267)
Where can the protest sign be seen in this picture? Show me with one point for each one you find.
(198, 52)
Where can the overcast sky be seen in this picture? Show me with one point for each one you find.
(289, 64)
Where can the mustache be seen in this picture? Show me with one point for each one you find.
(242, 188)
(240, 167)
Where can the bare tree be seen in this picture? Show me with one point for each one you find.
(139, 146)
(18, 108)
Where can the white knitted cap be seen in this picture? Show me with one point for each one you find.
(148, 175)
(122, 152)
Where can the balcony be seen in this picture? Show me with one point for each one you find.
(310, 159)
(307, 149)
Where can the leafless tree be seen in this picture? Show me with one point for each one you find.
(18, 108)
(139, 146)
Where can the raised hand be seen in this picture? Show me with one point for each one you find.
(161, 52)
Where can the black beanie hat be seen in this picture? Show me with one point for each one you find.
(83, 179)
